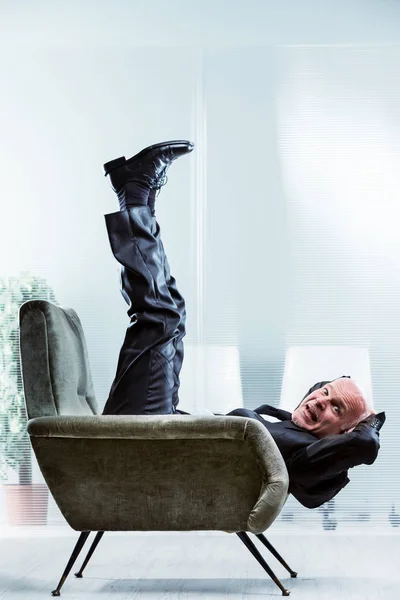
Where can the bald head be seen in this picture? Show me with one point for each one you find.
(337, 407)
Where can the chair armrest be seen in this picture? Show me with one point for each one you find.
(88, 435)
(138, 427)
(275, 478)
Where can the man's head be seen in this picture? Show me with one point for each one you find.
(337, 407)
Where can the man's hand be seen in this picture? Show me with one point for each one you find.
(375, 420)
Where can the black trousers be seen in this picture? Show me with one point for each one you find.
(150, 360)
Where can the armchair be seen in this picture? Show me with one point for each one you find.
(139, 473)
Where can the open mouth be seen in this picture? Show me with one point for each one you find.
(311, 413)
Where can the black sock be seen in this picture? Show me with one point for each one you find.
(133, 194)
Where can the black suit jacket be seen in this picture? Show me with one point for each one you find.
(318, 468)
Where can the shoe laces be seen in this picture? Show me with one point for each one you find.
(161, 180)
(156, 183)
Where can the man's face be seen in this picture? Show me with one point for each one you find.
(333, 408)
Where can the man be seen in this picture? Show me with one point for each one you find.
(329, 432)
(332, 430)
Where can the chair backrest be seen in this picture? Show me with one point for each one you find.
(55, 366)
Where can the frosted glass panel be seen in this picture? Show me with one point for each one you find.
(303, 246)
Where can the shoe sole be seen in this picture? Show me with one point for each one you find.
(119, 162)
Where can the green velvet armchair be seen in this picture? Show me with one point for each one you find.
(139, 473)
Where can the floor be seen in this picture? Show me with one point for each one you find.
(330, 564)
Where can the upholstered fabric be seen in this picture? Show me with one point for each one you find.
(138, 472)
(55, 366)
(161, 472)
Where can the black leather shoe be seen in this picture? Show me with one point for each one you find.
(148, 167)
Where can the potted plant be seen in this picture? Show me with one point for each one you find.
(26, 502)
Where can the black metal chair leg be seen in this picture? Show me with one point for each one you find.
(250, 546)
(78, 547)
(96, 540)
(275, 553)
